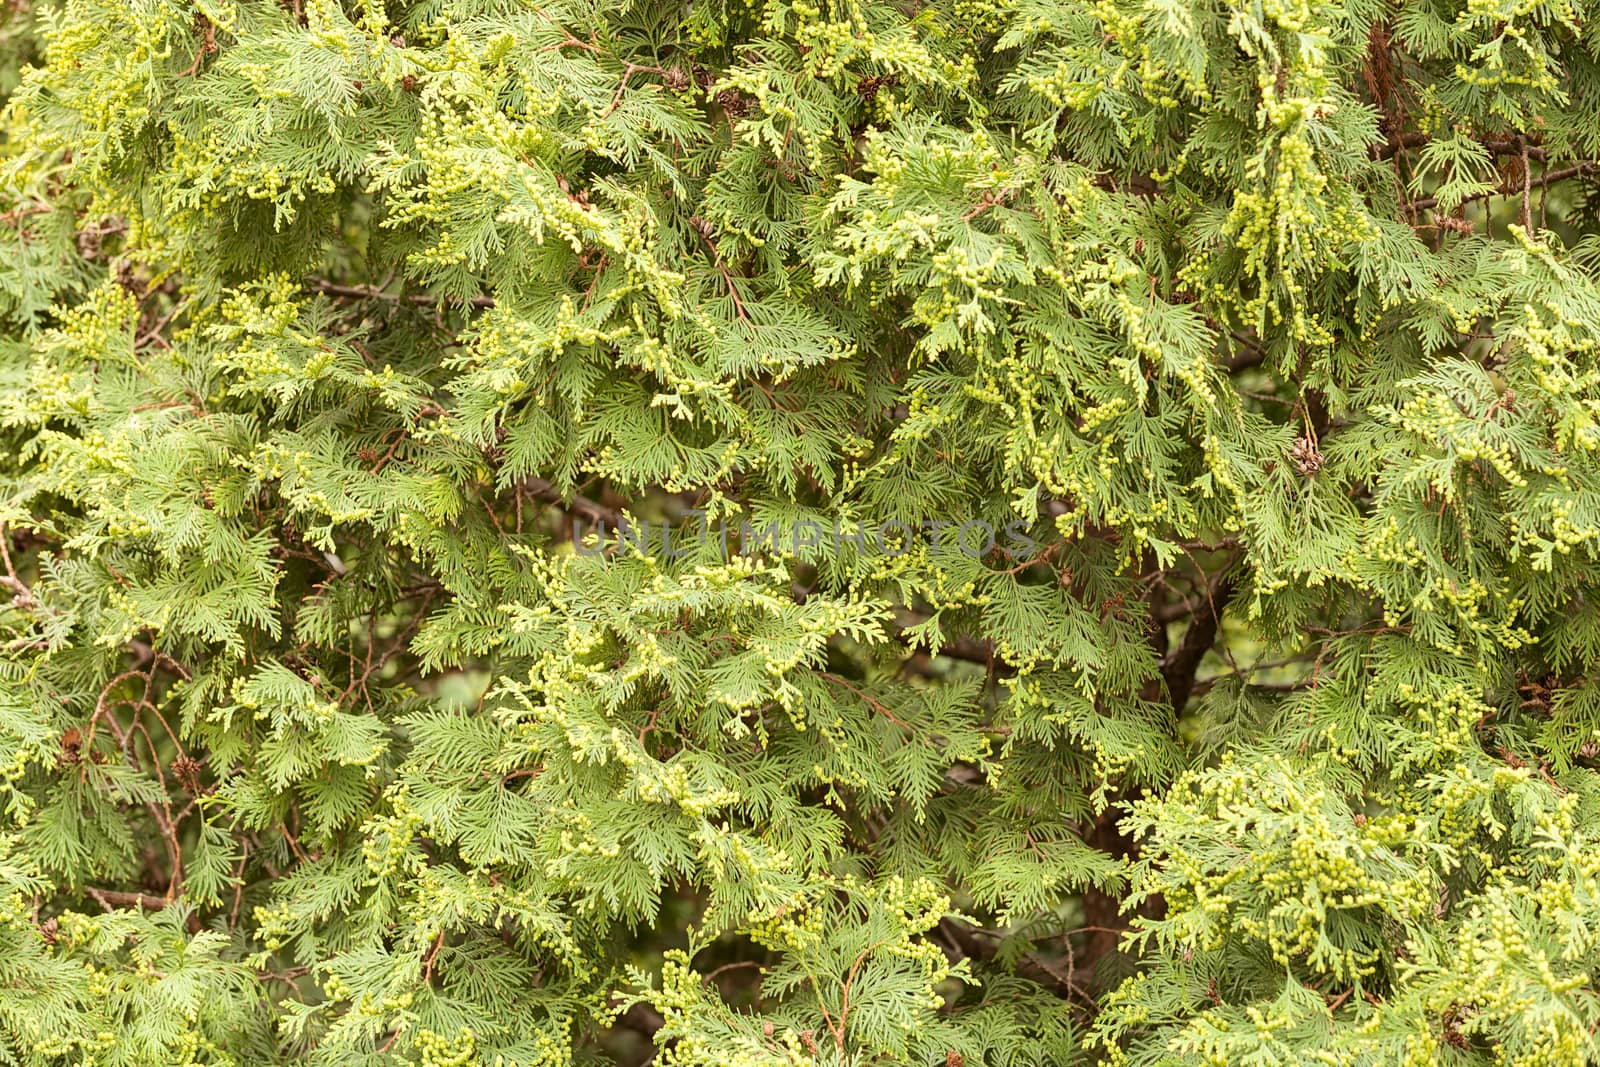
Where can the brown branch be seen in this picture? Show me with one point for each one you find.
(1179, 666)
(372, 292)
(568, 40)
(1253, 355)
(972, 650)
(1427, 203)
(1396, 145)
(983, 945)
(642, 1019)
(162, 811)
(238, 886)
(208, 47)
(111, 899)
(154, 332)
(597, 514)
(965, 649)
(19, 213)
(433, 954)
(24, 595)
(1527, 188)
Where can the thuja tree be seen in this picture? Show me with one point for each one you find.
(799, 532)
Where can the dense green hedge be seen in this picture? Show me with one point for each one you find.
(826, 532)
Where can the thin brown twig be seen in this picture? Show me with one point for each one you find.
(711, 976)
(703, 230)
(568, 41)
(24, 595)
(208, 46)
(629, 69)
(433, 953)
(238, 885)
(876, 704)
(154, 332)
(163, 817)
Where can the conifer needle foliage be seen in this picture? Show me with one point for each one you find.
(1109, 566)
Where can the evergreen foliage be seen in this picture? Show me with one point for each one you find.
(1112, 573)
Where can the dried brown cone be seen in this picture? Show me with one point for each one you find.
(734, 103)
(71, 748)
(870, 86)
(1536, 693)
(187, 769)
(1306, 457)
